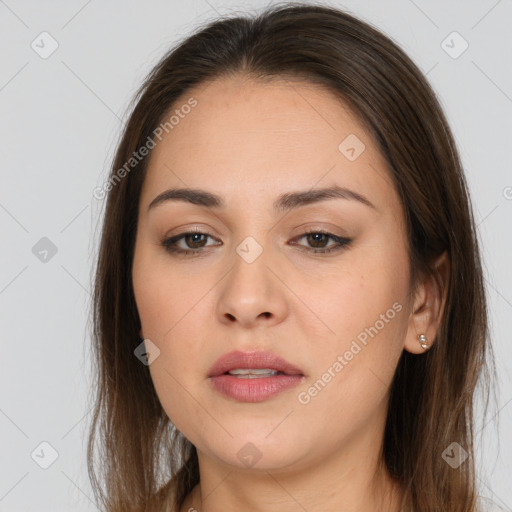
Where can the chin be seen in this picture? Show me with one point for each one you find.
(256, 451)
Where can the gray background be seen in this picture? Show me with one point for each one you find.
(60, 118)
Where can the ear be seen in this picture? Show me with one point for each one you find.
(429, 305)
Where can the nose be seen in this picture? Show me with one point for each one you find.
(253, 293)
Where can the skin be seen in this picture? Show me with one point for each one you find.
(251, 141)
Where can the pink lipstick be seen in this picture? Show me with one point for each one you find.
(253, 376)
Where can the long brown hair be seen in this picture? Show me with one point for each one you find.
(144, 462)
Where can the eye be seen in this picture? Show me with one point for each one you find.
(318, 239)
(195, 241)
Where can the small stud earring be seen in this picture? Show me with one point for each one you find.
(423, 341)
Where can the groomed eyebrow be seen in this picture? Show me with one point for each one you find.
(284, 202)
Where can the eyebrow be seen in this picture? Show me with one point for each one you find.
(284, 202)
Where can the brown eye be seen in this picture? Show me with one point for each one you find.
(318, 242)
(194, 241)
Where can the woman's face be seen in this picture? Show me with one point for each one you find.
(252, 282)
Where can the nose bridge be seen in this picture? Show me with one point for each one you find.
(251, 290)
(250, 274)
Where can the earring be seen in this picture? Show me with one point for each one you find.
(423, 341)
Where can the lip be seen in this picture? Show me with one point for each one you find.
(255, 359)
(256, 389)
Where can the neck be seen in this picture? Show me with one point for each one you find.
(342, 483)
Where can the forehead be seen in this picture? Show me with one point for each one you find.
(275, 111)
(265, 137)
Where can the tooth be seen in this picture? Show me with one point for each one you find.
(251, 376)
(251, 371)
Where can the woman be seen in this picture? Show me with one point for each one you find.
(289, 302)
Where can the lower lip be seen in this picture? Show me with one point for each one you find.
(254, 390)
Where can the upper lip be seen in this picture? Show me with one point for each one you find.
(252, 360)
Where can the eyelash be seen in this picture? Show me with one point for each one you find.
(169, 243)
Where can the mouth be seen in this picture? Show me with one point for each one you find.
(253, 365)
(253, 373)
(253, 376)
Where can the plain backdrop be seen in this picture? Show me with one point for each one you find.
(60, 118)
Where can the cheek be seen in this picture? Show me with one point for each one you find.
(354, 367)
(363, 299)
(163, 295)
(367, 312)
(169, 379)
(165, 300)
